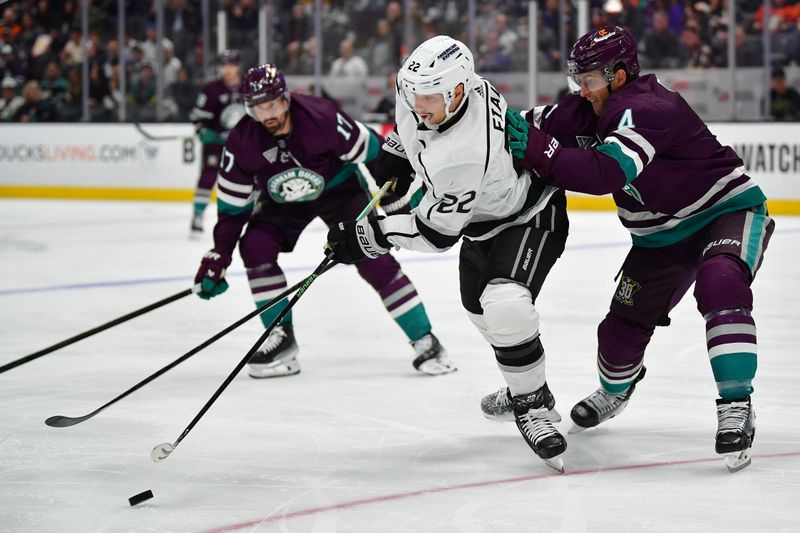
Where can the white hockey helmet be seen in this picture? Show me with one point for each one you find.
(437, 66)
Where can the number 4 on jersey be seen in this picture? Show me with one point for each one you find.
(627, 120)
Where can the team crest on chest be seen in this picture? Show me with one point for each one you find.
(295, 185)
(627, 288)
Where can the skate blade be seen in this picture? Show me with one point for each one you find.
(738, 460)
(575, 428)
(505, 417)
(272, 371)
(437, 366)
(556, 463)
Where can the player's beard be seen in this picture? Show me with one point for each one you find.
(275, 125)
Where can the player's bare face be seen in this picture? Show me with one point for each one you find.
(231, 75)
(431, 107)
(274, 115)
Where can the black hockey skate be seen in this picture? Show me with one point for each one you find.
(277, 356)
(532, 413)
(431, 357)
(600, 406)
(498, 406)
(736, 429)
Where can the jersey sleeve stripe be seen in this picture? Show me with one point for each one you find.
(233, 187)
(638, 140)
(628, 160)
(197, 113)
(438, 240)
(358, 153)
(228, 209)
(232, 200)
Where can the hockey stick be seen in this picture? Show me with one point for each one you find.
(152, 137)
(163, 450)
(60, 421)
(98, 329)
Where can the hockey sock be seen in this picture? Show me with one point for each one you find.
(201, 199)
(522, 366)
(404, 305)
(266, 282)
(621, 345)
(732, 348)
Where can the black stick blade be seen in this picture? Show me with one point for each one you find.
(59, 421)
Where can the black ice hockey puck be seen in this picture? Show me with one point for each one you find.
(139, 498)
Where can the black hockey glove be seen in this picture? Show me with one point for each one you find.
(392, 163)
(354, 241)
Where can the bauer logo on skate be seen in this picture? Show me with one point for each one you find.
(627, 288)
(295, 185)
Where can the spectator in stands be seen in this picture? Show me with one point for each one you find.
(394, 16)
(148, 44)
(30, 31)
(491, 57)
(660, 47)
(9, 25)
(383, 54)
(784, 99)
(37, 107)
(184, 93)
(45, 16)
(172, 65)
(748, 50)
(296, 30)
(53, 84)
(142, 91)
(100, 102)
(183, 23)
(348, 63)
(505, 36)
(10, 101)
(387, 104)
(9, 64)
(72, 53)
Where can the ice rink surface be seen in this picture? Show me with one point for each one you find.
(358, 441)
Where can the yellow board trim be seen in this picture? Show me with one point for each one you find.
(606, 203)
(575, 203)
(96, 193)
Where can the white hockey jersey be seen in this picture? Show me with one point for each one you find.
(472, 188)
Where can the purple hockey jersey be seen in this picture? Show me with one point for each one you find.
(218, 107)
(320, 152)
(668, 174)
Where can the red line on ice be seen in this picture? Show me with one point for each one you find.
(477, 484)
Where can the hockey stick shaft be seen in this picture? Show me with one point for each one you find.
(93, 331)
(162, 451)
(60, 421)
(151, 137)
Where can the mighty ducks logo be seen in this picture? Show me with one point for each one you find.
(295, 185)
(627, 288)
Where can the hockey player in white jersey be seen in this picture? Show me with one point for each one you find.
(450, 134)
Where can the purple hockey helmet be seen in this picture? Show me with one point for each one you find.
(262, 84)
(603, 50)
(229, 56)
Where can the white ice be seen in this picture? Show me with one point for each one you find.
(358, 441)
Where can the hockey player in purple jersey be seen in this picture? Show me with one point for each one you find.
(217, 110)
(293, 159)
(693, 214)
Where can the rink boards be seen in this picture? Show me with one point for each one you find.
(119, 162)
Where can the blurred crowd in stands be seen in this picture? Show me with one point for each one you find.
(41, 53)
